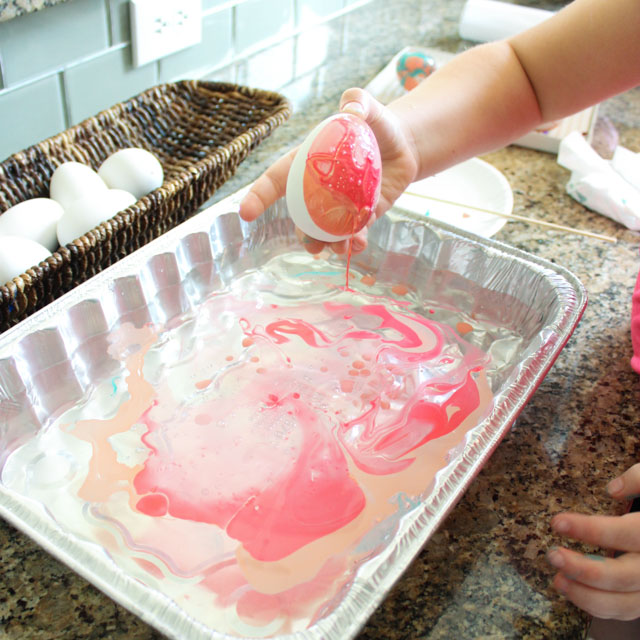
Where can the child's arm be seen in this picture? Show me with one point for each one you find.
(490, 96)
(604, 587)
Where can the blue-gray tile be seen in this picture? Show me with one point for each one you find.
(207, 5)
(302, 91)
(312, 11)
(313, 47)
(103, 81)
(44, 41)
(225, 74)
(262, 21)
(29, 114)
(214, 51)
(119, 21)
(270, 69)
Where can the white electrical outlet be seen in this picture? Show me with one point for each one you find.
(161, 27)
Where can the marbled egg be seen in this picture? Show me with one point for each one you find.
(413, 67)
(334, 181)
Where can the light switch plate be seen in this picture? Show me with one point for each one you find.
(162, 27)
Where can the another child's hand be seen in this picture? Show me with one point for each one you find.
(605, 587)
(399, 167)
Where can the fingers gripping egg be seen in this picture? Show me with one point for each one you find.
(334, 180)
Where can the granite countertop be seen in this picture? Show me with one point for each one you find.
(483, 574)
(13, 8)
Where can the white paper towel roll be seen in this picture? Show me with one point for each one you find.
(488, 20)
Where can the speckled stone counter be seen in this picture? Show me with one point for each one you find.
(13, 8)
(483, 574)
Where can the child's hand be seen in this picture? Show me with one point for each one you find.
(399, 167)
(605, 587)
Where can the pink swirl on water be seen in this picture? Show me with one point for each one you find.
(364, 385)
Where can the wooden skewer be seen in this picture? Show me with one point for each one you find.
(513, 216)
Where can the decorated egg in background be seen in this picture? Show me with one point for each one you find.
(334, 180)
(413, 67)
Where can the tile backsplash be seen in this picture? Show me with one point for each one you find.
(67, 62)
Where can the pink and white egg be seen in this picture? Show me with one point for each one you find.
(334, 180)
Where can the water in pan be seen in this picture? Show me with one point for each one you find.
(250, 458)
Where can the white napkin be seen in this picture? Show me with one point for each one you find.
(488, 20)
(611, 188)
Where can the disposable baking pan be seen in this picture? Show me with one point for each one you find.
(155, 417)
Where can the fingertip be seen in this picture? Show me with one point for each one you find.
(355, 101)
(616, 487)
(353, 107)
(359, 244)
(561, 583)
(341, 247)
(251, 207)
(312, 246)
(555, 558)
(560, 524)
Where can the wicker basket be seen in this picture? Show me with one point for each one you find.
(200, 131)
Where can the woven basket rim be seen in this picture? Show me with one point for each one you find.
(112, 113)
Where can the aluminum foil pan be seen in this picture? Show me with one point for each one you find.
(229, 443)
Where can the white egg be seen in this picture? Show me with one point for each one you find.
(74, 180)
(121, 199)
(134, 170)
(87, 213)
(36, 219)
(17, 254)
(333, 184)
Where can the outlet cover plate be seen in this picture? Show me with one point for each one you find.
(162, 27)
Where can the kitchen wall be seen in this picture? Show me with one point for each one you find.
(67, 62)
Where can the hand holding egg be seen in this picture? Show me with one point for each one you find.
(394, 140)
